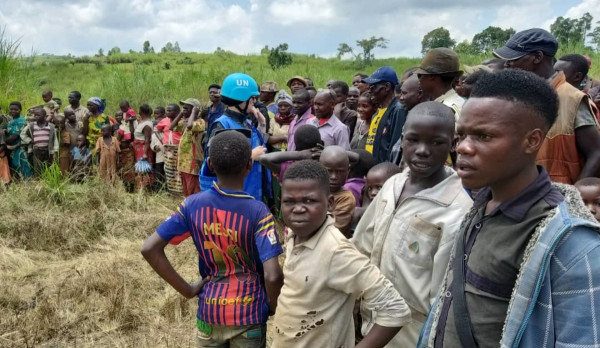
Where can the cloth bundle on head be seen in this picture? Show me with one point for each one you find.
(101, 103)
(283, 96)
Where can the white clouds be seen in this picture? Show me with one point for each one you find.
(308, 26)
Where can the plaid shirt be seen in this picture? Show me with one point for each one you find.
(555, 301)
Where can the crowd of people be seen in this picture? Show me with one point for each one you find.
(450, 207)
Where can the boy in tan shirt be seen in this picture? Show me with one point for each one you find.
(324, 274)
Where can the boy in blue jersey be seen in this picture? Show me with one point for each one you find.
(238, 248)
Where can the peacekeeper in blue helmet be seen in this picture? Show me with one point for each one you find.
(239, 92)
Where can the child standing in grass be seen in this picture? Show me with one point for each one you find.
(41, 136)
(238, 247)
(82, 159)
(108, 149)
(324, 274)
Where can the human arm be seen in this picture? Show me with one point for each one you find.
(378, 336)
(364, 233)
(257, 152)
(274, 160)
(273, 281)
(343, 211)
(190, 121)
(277, 139)
(85, 129)
(176, 121)
(352, 273)
(588, 144)
(153, 251)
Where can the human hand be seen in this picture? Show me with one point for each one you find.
(316, 152)
(195, 288)
(257, 152)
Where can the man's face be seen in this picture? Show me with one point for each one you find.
(284, 108)
(301, 104)
(339, 97)
(304, 206)
(573, 77)
(266, 96)
(73, 100)
(527, 62)
(352, 100)
(428, 83)
(214, 94)
(491, 142)
(324, 105)
(410, 93)
(379, 91)
(296, 85)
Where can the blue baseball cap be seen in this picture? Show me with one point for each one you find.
(383, 74)
(527, 41)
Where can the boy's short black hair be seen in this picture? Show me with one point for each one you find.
(308, 170)
(362, 76)
(434, 109)
(579, 63)
(522, 87)
(124, 102)
(229, 153)
(389, 169)
(174, 106)
(17, 104)
(306, 137)
(590, 181)
(77, 94)
(472, 79)
(365, 162)
(145, 109)
(214, 85)
(311, 88)
(47, 92)
(161, 109)
(341, 85)
(302, 93)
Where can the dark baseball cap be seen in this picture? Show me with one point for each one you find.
(383, 74)
(527, 41)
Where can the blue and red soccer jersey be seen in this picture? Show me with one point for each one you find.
(234, 235)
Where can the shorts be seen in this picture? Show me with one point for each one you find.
(250, 336)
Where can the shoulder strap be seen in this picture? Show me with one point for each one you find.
(462, 320)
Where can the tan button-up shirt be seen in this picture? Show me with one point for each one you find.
(323, 278)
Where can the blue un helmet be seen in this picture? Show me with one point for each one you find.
(239, 87)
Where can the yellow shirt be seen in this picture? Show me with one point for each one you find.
(373, 129)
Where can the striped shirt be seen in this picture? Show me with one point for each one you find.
(234, 235)
(41, 136)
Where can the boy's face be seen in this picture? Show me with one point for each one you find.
(119, 116)
(70, 117)
(187, 109)
(106, 131)
(40, 115)
(324, 105)
(338, 169)
(124, 107)
(426, 144)
(158, 113)
(14, 111)
(339, 97)
(352, 100)
(80, 140)
(591, 198)
(492, 144)
(374, 182)
(46, 97)
(304, 206)
(214, 94)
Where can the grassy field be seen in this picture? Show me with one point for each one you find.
(70, 266)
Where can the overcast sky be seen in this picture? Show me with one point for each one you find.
(245, 26)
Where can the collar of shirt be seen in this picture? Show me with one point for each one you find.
(306, 115)
(444, 193)
(449, 94)
(229, 193)
(331, 121)
(236, 116)
(216, 107)
(312, 242)
(517, 207)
